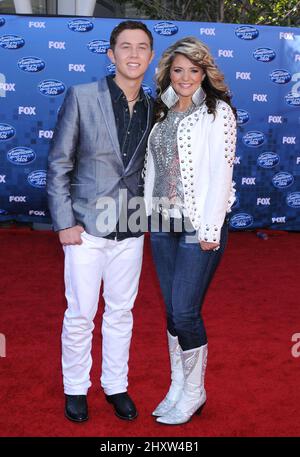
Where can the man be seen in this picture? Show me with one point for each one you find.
(97, 154)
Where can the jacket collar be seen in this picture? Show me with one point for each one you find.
(106, 107)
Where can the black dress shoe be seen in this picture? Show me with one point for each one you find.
(76, 408)
(123, 405)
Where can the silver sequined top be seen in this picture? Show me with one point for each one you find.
(163, 144)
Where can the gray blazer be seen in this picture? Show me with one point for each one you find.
(85, 162)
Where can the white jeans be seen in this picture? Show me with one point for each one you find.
(118, 264)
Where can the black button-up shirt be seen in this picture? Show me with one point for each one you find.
(130, 128)
(130, 132)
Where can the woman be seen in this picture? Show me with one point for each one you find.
(188, 190)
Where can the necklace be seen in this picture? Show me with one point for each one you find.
(129, 101)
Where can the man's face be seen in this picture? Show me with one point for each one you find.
(132, 54)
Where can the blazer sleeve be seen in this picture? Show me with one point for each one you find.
(222, 144)
(61, 161)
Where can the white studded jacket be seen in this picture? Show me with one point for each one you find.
(206, 148)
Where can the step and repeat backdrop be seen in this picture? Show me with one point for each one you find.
(41, 57)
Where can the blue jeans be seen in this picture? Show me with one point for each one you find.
(185, 272)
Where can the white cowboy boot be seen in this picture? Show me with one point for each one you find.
(193, 395)
(177, 378)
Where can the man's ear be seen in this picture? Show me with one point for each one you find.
(110, 54)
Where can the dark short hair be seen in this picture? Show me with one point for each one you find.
(129, 25)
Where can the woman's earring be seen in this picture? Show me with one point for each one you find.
(169, 97)
(198, 96)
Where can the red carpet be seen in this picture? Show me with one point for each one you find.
(251, 313)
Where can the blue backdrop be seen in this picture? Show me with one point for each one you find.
(40, 57)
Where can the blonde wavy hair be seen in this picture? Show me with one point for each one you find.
(199, 54)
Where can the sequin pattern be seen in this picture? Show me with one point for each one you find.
(163, 143)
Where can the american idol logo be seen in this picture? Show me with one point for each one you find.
(268, 160)
(292, 99)
(2, 21)
(282, 179)
(280, 76)
(264, 54)
(111, 68)
(165, 28)
(80, 25)
(31, 64)
(51, 87)
(98, 46)
(254, 139)
(147, 89)
(6, 132)
(11, 42)
(246, 32)
(37, 178)
(242, 116)
(21, 156)
(241, 220)
(293, 200)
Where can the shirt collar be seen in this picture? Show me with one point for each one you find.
(117, 93)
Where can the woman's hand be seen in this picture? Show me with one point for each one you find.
(207, 246)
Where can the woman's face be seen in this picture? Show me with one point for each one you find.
(185, 76)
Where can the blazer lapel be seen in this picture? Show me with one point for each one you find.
(105, 103)
(146, 131)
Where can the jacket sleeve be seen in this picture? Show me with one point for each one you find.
(222, 144)
(61, 161)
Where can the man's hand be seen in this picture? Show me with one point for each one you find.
(71, 236)
(206, 246)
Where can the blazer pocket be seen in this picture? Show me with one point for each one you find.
(108, 173)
